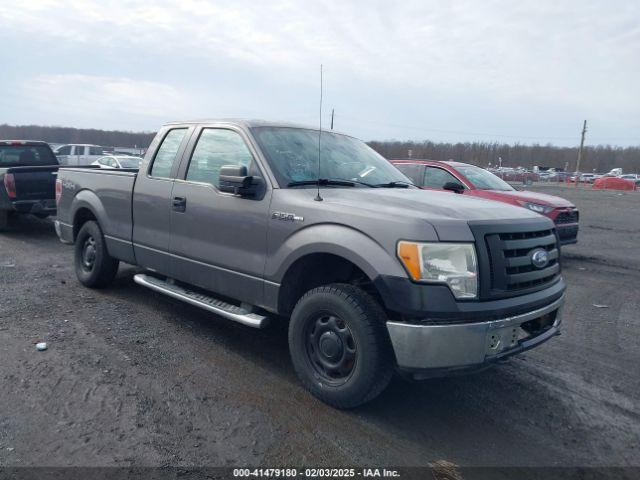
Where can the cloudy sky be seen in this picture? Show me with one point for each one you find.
(525, 71)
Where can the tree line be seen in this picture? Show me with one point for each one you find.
(105, 138)
(600, 158)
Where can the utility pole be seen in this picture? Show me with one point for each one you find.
(332, 111)
(584, 131)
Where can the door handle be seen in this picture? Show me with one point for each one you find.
(179, 204)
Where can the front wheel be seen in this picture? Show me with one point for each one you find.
(339, 345)
(95, 268)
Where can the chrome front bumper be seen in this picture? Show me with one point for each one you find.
(422, 347)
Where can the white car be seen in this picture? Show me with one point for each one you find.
(118, 161)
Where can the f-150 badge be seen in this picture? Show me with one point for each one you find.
(287, 217)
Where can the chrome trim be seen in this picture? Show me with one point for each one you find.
(174, 291)
(461, 345)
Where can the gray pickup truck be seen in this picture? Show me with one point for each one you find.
(245, 219)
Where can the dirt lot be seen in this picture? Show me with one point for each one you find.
(134, 378)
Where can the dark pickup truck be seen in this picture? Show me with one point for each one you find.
(373, 274)
(28, 172)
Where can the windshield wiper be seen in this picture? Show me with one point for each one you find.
(323, 181)
(395, 184)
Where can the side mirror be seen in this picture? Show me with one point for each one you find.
(454, 187)
(234, 179)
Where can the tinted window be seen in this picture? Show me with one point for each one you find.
(25, 156)
(95, 151)
(64, 150)
(437, 177)
(167, 152)
(414, 171)
(78, 150)
(215, 148)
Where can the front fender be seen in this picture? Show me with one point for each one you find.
(335, 239)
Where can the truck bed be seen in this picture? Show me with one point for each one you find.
(106, 192)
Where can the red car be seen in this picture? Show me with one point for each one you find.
(472, 180)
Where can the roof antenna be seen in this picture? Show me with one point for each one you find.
(318, 197)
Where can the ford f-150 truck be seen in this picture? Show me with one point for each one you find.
(27, 179)
(260, 221)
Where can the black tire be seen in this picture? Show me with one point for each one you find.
(4, 220)
(95, 268)
(339, 345)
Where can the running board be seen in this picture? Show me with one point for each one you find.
(219, 307)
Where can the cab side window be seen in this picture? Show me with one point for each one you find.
(436, 178)
(414, 171)
(217, 147)
(166, 154)
(65, 150)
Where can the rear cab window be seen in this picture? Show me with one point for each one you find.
(167, 153)
(26, 156)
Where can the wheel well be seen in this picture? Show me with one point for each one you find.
(319, 269)
(82, 216)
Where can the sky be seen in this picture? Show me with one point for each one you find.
(505, 71)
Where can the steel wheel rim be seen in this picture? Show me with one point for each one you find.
(331, 348)
(89, 254)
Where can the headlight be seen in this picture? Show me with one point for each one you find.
(453, 264)
(536, 207)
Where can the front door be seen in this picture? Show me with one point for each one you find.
(218, 239)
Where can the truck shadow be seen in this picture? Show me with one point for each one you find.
(28, 228)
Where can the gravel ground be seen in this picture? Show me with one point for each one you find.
(132, 378)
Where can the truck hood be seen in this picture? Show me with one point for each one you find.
(427, 205)
(533, 197)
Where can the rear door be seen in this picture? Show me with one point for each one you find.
(218, 239)
(152, 200)
(79, 153)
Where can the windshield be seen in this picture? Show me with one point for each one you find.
(483, 179)
(293, 156)
(26, 156)
(130, 162)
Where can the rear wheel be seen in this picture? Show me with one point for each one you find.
(95, 268)
(339, 345)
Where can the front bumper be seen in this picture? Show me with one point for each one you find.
(424, 348)
(567, 233)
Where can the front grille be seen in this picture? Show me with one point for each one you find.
(506, 262)
(571, 216)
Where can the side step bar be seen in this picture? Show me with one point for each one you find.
(219, 307)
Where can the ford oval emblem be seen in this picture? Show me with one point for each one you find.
(540, 258)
